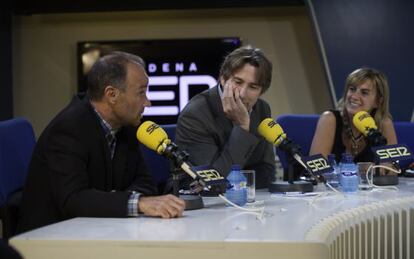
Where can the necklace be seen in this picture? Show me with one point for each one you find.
(355, 141)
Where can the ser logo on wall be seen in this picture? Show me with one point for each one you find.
(187, 75)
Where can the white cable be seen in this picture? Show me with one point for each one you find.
(258, 211)
(332, 188)
(317, 197)
(336, 192)
(370, 183)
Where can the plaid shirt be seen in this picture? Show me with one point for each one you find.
(110, 135)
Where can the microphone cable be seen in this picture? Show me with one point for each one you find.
(325, 193)
(370, 177)
(259, 212)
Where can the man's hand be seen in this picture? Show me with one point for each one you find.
(165, 206)
(233, 107)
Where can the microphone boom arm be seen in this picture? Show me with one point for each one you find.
(179, 157)
(154, 137)
(294, 151)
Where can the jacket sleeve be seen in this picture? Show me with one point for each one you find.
(70, 178)
(143, 181)
(265, 167)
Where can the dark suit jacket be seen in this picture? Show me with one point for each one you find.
(211, 139)
(71, 173)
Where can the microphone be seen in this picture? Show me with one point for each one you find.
(364, 122)
(155, 138)
(273, 133)
(366, 125)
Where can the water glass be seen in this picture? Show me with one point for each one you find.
(250, 184)
(362, 169)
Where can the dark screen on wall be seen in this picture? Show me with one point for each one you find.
(177, 69)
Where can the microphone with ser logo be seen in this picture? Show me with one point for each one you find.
(314, 165)
(155, 138)
(273, 133)
(367, 126)
(382, 152)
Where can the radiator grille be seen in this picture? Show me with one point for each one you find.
(381, 230)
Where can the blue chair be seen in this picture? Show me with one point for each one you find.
(158, 165)
(300, 128)
(16, 145)
(405, 135)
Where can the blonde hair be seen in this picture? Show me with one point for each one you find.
(379, 81)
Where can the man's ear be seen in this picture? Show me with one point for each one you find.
(111, 94)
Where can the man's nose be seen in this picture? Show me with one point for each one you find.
(243, 90)
(147, 102)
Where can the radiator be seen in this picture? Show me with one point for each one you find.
(380, 230)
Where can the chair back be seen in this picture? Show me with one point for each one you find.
(300, 128)
(158, 165)
(16, 146)
(17, 141)
(405, 135)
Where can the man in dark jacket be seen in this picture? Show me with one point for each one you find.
(219, 126)
(87, 162)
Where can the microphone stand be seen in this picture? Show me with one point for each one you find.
(376, 139)
(192, 201)
(291, 185)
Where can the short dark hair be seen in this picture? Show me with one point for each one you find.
(248, 55)
(110, 69)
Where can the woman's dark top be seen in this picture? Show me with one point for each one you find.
(338, 148)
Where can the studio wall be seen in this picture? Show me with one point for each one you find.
(44, 52)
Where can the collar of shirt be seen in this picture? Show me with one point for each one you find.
(220, 90)
(105, 125)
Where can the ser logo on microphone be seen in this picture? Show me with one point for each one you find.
(271, 123)
(152, 128)
(317, 164)
(209, 175)
(392, 153)
(363, 116)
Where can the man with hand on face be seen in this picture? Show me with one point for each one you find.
(87, 162)
(218, 127)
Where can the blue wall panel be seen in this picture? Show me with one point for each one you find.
(373, 33)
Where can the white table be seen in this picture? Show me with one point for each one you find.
(216, 231)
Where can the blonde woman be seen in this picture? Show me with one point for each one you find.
(366, 89)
